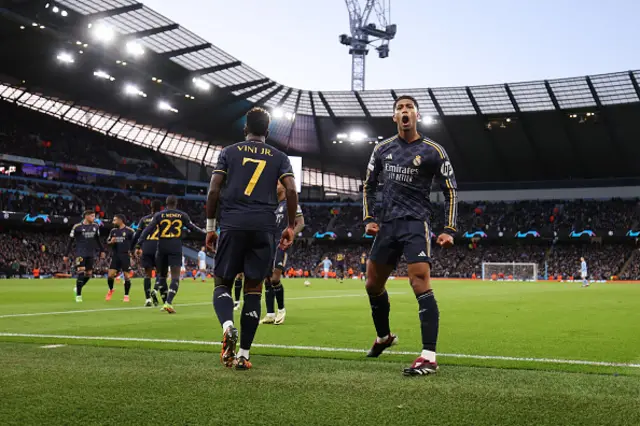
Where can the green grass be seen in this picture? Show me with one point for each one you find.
(101, 381)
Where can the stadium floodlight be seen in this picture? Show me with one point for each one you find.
(132, 89)
(277, 113)
(428, 120)
(46, 6)
(342, 136)
(134, 48)
(357, 136)
(65, 57)
(201, 84)
(103, 75)
(64, 13)
(35, 24)
(165, 106)
(103, 33)
(55, 9)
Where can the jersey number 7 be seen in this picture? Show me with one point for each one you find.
(260, 165)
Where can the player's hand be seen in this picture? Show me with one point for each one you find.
(138, 253)
(65, 260)
(103, 255)
(372, 229)
(210, 242)
(445, 240)
(286, 240)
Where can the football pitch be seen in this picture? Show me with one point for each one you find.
(509, 353)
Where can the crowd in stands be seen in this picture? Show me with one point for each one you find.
(25, 250)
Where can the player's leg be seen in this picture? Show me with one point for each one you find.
(385, 254)
(162, 263)
(228, 264)
(125, 262)
(257, 266)
(278, 289)
(270, 283)
(150, 297)
(80, 275)
(237, 291)
(270, 303)
(114, 268)
(175, 265)
(417, 251)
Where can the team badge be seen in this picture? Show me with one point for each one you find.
(417, 161)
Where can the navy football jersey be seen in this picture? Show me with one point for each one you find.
(87, 238)
(168, 227)
(150, 244)
(408, 171)
(282, 216)
(249, 195)
(121, 239)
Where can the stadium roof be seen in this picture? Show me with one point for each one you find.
(582, 127)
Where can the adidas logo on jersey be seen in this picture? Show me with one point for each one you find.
(252, 314)
(389, 157)
(422, 254)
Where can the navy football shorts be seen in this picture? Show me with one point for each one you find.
(85, 262)
(166, 260)
(120, 262)
(251, 252)
(280, 261)
(396, 237)
(148, 260)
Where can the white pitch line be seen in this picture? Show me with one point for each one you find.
(324, 349)
(135, 308)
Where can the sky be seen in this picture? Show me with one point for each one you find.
(438, 43)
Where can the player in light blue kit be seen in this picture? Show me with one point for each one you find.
(202, 265)
(326, 266)
(583, 272)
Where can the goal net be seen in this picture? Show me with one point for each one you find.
(510, 271)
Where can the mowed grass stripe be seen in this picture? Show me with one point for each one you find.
(136, 308)
(324, 349)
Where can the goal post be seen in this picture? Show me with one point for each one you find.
(509, 271)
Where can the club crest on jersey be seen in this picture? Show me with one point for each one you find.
(417, 161)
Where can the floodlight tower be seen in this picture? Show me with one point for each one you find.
(365, 32)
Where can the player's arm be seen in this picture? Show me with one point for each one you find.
(110, 237)
(137, 234)
(149, 229)
(72, 237)
(370, 189)
(289, 183)
(447, 181)
(299, 222)
(192, 226)
(132, 234)
(99, 242)
(213, 198)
